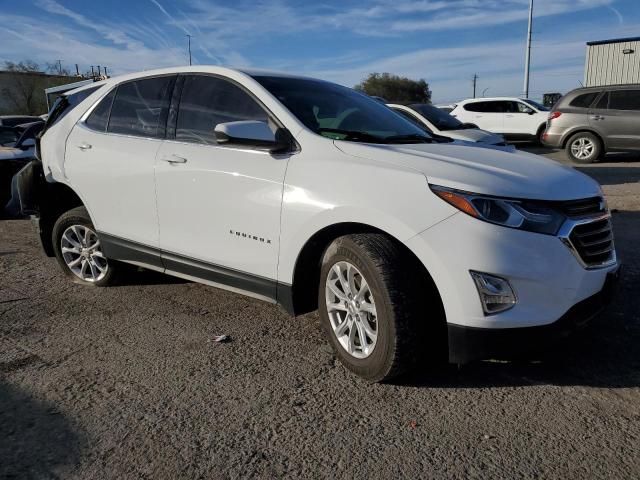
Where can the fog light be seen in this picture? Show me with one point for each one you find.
(496, 295)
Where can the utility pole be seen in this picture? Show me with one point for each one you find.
(527, 61)
(189, 37)
(475, 79)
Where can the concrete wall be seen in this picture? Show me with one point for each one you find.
(607, 65)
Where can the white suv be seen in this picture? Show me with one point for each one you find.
(515, 118)
(314, 196)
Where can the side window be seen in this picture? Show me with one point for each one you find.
(625, 100)
(603, 103)
(476, 107)
(584, 100)
(140, 107)
(65, 103)
(99, 117)
(207, 101)
(522, 108)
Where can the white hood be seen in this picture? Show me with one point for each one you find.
(473, 135)
(486, 170)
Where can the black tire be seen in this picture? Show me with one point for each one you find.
(540, 133)
(597, 150)
(397, 285)
(79, 217)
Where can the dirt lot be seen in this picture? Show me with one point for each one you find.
(125, 383)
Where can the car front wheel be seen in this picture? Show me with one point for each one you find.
(78, 249)
(369, 300)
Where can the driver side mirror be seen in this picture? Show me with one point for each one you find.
(253, 134)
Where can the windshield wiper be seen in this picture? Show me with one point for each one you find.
(409, 138)
(353, 135)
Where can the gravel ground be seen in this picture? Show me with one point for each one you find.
(125, 382)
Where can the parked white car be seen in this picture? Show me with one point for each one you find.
(440, 122)
(447, 107)
(515, 118)
(309, 194)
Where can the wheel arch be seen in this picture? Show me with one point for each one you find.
(56, 199)
(571, 133)
(302, 296)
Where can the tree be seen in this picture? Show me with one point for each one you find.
(24, 87)
(396, 89)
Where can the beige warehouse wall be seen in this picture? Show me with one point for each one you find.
(606, 64)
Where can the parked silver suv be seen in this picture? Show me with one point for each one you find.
(589, 122)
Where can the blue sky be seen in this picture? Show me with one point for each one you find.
(443, 41)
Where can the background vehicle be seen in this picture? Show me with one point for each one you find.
(447, 107)
(17, 148)
(441, 123)
(13, 120)
(315, 196)
(589, 122)
(515, 118)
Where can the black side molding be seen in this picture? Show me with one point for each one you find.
(263, 288)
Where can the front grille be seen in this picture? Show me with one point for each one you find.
(582, 208)
(593, 242)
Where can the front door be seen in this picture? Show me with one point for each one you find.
(219, 206)
(620, 123)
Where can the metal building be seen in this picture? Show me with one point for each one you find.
(612, 62)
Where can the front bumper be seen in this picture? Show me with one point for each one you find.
(468, 343)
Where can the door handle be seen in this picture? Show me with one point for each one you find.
(84, 146)
(174, 159)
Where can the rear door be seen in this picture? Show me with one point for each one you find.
(487, 115)
(620, 122)
(219, 206)
(111, 156)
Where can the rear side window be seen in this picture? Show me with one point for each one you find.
(65, 103)
(603, 103)
(140, 107)
(625, 100)
(99, 118)
(488, 107)
(585, 100)
(476, 107)
(207, 101)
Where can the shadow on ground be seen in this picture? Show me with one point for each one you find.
(36, 440)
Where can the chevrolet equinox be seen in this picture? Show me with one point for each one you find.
(311, 195)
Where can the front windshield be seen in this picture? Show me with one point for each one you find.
(341, 113)
(438, 117)
(535, 105)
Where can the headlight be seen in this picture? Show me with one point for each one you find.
(527, 215)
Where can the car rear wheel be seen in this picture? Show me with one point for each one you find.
(78, 249)
(369, 304)
(540, 134)
(584, 147)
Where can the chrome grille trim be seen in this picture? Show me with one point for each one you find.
(575, 234)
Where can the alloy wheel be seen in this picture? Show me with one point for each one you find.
(351, 309)
(82, 253)
(582, 148)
